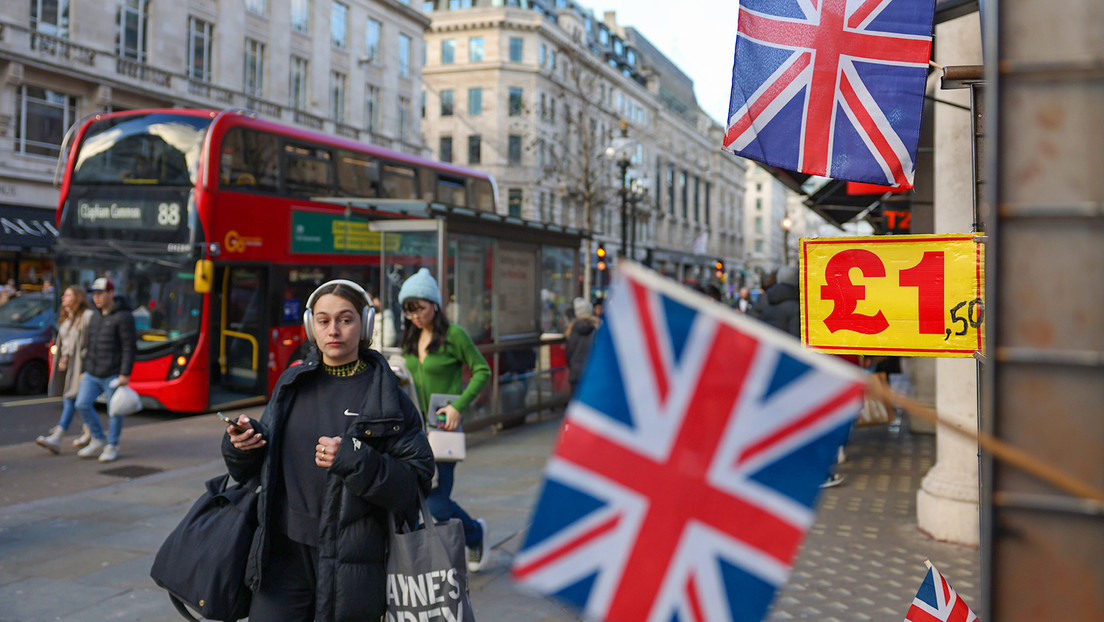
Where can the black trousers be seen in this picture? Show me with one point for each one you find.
(288, 582)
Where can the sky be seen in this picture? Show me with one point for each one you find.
(697, 35)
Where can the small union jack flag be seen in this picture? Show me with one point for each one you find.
(689, 462)
(936, 601)
(831, 87)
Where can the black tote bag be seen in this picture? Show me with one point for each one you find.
(427, 571)
(202, 562)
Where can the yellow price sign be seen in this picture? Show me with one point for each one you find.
(909, 295)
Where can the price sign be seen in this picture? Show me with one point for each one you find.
(910, 295)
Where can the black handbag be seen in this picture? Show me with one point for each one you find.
(427, 571)
(202, 562)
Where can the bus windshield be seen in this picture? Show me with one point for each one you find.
(162, 298)
(160, 149)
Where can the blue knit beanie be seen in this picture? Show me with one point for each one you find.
(422, 285)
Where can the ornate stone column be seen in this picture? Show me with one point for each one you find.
(947, 502)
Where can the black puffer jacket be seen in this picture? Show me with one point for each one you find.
(579, 340)
(783, 310)
(111, 342)
(383, 460)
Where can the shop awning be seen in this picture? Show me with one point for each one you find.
(26, 229)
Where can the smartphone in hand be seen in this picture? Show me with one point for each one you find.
(231, 422)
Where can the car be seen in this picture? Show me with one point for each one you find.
(26, 330)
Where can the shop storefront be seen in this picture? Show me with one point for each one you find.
(26, 245)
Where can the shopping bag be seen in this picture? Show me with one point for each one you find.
(427, 572)
(876, 410)
(202, 562)
(447, 446)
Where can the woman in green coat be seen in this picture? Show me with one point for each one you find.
(436, 352)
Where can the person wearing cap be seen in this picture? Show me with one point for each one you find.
(580, 335)
(110, 350)
(436, 352)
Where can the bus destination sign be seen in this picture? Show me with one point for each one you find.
(133, 214)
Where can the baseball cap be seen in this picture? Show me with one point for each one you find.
(101, 284)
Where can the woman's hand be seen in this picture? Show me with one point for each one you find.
(244, 437)
(452, 417)
(325, 451)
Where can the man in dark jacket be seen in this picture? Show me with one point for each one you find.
(110, 348)
(783, 308)
(580, 335)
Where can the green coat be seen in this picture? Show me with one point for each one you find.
(442, 371)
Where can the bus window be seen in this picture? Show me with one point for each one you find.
(357, 174)
(451, 191)
(399, 182)
(248, 161)
(154, 149)
(307, 170)
(484, 195)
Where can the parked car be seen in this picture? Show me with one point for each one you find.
(26, 330)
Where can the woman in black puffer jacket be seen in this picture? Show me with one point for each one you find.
(338, 447)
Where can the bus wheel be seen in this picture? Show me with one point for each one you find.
(32, 378)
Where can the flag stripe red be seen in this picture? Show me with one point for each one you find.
(797, 65)
(862, 13)
(651, 340)
(824, 410)
(520, 572)
(874, 132)
(916, 614)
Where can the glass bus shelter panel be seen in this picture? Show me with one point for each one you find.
(404, 254)
(516, 291)
(471, 281)
(559, 286)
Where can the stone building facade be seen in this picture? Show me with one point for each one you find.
(536, 95)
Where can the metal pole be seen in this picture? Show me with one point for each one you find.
(624, 165)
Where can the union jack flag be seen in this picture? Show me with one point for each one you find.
(831, 87)
(689, 462)
(936, 601)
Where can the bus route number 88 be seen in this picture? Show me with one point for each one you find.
(168, 214)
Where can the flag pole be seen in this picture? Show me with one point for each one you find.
(999, 449)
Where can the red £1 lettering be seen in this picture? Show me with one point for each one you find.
(847, 295)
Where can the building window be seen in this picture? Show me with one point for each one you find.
(697, 198)
(515, 49)
(337, 96)
(684, 186)
(404, 114)
(514, 202)
(475, 49)
(671, 189)
(200, 40)
(758, 224)
(257, 7)
(339, 26)
(41, 118)
(423, 103)
(446, 103)
(297, 85)
(542, 54)
(459, 4)
(371, 107)
(475, 101)
(513, 150)
(50, 17)
(758, 204)
(130, 29)
(253, 79)
(759, 246)
(708, 191)
(445, 152)
(404, 55)
(515, 102)
(300, 15)
(372, 34)
(475, 149)
(448, 51)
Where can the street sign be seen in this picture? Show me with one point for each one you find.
(909, 295)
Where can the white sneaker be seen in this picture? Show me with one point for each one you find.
(82, 441)
(51, 441)
(477, 557)
(92, 449)
(110, 453)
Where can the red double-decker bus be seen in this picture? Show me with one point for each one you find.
(217, 226)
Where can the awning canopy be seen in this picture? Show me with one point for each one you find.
(26, 229)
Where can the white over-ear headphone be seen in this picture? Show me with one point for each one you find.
(367, 316)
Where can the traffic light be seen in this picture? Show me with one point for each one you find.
(720, 269)
(601, 257)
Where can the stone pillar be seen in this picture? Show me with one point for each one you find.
(947, 502)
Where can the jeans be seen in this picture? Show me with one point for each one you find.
(92, 387)
(68, 406)
(444, 508)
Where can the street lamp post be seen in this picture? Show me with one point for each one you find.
(638, 191)
(787, 224)
(621, 149)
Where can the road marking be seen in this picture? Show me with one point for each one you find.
(39, 400)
